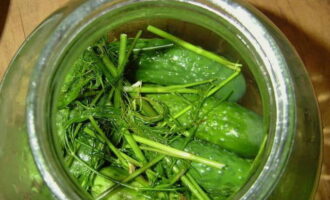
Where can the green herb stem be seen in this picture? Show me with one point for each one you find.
(143, 169)
(117, 98)
(97, 98)
(196, 49)
(159, 90)
(111, 146)
(223, 83)
(130, 50)
(109, 65)
(197, 187)
(193, 188)
(135, 147)
(192, 84)
(123, 56)
(190, 183)
(131, 176)
(131, 160)
(167, 150)
(110, 95)
(153, 48)
(122, 52)
(125, 156)
(178, 175)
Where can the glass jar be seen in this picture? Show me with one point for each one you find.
(290, 165)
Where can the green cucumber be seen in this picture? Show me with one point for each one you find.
(218, 183)
(176, 65)
(226, 124)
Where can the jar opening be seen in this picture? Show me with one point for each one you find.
(206, 25)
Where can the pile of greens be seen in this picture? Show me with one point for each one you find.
(156, 119)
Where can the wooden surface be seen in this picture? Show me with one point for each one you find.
(305, 22)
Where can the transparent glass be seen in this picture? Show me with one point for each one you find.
(293, 150)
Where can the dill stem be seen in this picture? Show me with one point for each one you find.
(110, 95)
(192, 84)
(178, 175)
(91, 133)
(131, 176)
(109, 64)
(107, 141)
(117, 99)
(196, 186)
(98, 96)
(100, 174)
(121, 65)
(160, 90)
(167, 150)
(125, 156)
(135, 147)
(123, 56)
(193, 186)
(69, 161)
(143, 169)
(168, 89)
(223, 83)
(210, 93)
(122, 52)
(131, 160)
(193, 48)
(130, 50)
(139, 164)
(153, 48)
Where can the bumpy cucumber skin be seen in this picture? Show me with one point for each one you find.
(226, 124)
(218, 183)
(180, 66)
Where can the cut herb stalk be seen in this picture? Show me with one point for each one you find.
(167, 150)
(194, 48)
(122, 53)
(111, 146)
(135, 147)
(167, 89)
(125, 156)
(108, 63)
(194, 188)
(153, 48)
(160, 90)
(130, 177)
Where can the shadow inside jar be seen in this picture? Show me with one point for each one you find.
(4, 7)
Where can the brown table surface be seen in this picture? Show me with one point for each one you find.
(305, 22)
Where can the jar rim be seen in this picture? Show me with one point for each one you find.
(244, 19)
